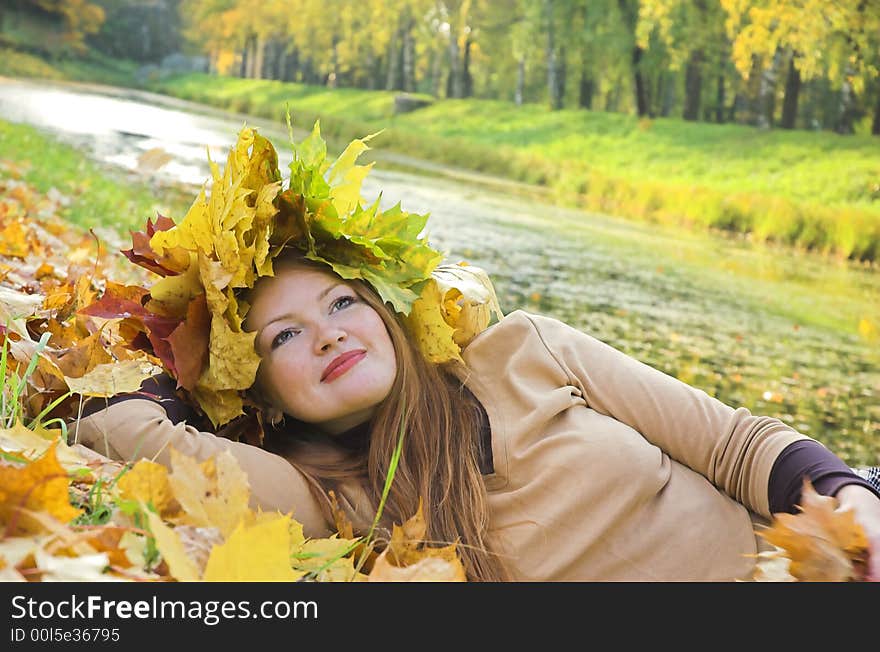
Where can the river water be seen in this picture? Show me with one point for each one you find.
(773, 330)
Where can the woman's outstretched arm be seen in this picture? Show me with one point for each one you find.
(138, 428)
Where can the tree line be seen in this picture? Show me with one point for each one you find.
(809, 64)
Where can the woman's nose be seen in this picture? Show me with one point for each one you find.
(330, 336)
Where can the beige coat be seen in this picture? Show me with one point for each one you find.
(605, 468)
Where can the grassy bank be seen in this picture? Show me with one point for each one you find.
(92, 68)
(813, 191)
(816, 191)
(98, 196)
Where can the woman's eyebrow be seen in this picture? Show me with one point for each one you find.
(323, 293)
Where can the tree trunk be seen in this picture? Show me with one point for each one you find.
(767, 92)
(467, 79)
(629, 9)
(612, 99)
(333, 77)
(846, 104)
(667, 96)
(585, 89)
(520, 80)
(409, 57)
(455, 85)
(308, 72)
(735, 107)
(790, 101)
(641, 91)
(436, 72)
(370, 84)
(292, 66)
(875, 123)
(243, 68)
(693, 85)
(391, 81)
(561, 77)
(552, 61)
(719, 100)
(260, 58)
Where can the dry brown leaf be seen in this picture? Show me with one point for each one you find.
(429, 569)
(822, 542)
(41, 486)
(409, 548)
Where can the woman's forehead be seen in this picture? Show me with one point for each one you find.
(304, 283)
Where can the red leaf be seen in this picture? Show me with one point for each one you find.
(189, 342)
(142, 254)
(158, 327)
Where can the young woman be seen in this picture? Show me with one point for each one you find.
(547, 455)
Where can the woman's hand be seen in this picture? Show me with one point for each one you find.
(866, 506)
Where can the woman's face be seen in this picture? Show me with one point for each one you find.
(326, 356)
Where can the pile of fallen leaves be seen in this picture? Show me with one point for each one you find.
(70, 514)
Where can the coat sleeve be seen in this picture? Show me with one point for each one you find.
(731, 447)
(140, 428)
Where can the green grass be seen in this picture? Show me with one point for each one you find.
(92, 68)
(814, 190)
(99, 196)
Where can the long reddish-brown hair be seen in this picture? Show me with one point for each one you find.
(439, 462)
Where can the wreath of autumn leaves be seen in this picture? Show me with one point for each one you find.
(191, 318)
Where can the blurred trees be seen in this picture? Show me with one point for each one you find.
(139, 30)
(76, 19)
(773, 63)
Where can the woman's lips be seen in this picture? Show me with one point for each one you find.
(341, 364)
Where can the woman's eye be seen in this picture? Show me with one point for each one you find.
(342, 302)
(282, 337)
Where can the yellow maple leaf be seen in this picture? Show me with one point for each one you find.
(213, 493)
(455, 305)
(233, 362)
(434, 336)
(13, 240)
(822, 542)
(221, 406)
(180, 566)
(31, 444)
(408, 549)
(40, 486)
(173, 293)
(468, 299)
(256, 553)
(326, 557)
(147, 482)
(112, 378)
